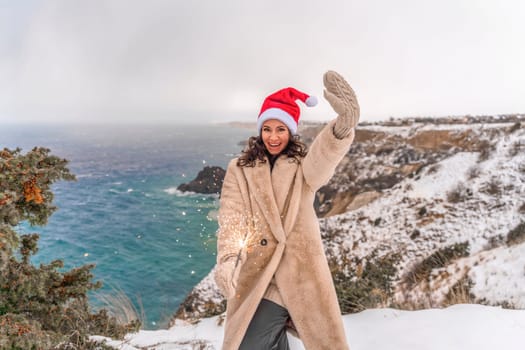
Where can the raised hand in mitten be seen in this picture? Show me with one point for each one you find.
(342, 98)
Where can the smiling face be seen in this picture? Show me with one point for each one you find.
(275, 136)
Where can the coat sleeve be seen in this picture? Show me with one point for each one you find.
(232, 223)
(324, 155)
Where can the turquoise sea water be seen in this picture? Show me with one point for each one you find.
(123, 212)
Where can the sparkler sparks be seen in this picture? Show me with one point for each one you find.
(237, 234)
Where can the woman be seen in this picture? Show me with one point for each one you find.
(271, 265)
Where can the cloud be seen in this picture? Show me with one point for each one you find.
(163, 60)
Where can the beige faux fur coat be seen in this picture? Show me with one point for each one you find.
(251, 205)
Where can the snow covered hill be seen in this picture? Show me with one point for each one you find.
(455, 229)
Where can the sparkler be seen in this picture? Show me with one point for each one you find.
(247, 243)
(242, 244)
(240, 234)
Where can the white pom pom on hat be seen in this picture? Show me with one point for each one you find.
(311, 101)
(281, 105)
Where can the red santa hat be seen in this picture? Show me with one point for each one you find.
(281, 105)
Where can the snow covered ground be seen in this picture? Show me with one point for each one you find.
(465, 327)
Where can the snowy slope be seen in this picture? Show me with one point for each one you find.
(465, 327)
(460, 199)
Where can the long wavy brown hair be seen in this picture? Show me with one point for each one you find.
(295, 149)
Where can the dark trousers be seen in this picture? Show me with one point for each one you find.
(267, 329)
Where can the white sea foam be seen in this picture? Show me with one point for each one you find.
(114, 190)
(174, 191)
(79, 176)
(178, 193)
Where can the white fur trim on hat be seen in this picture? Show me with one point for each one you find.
(279, 114)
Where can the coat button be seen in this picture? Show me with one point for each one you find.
(264, 241)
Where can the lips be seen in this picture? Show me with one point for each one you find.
(274, 148)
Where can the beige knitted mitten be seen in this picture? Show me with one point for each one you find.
(344, 102)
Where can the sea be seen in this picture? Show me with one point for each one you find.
(124, 213)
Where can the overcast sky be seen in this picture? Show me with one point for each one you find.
(209, 60)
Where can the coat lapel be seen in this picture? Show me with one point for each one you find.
(283, 175)
(284, 180)
(260, 183)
